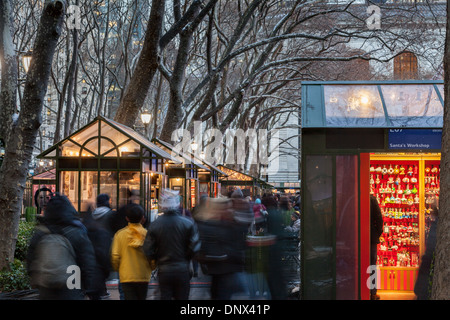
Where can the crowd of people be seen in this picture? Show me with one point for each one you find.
(212, 236)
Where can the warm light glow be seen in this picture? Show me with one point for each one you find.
(194, 146)
(41, 163)
(202, 155)
(26, 60)
(146, 117)
(364, 99)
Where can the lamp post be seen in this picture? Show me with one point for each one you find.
(26, 60)
(146, 117)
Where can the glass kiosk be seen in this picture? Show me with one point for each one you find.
(362, 138)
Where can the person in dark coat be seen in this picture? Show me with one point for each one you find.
(376, 229)
(421, 288)
(61, 217)
(98, 224)
(275, 225)
(222, 253)
(172, 241)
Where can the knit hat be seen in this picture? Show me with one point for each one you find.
(258, 201)
(169, 199)
(237, 194)
(103, 200)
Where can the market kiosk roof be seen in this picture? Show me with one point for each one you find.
(105, 138)
(234, 175)
(182, 156)
(203, 161)
(376, 104)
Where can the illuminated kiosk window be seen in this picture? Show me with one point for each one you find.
(107, 157)
(377, 104)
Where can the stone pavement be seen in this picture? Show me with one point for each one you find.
(199, 288)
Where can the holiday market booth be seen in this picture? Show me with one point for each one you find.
(108, 157)
(361, 139)
(249, 185)
(193, 177)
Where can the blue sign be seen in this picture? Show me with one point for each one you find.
(415, 139)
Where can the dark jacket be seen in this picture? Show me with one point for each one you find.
(61, 217)
(172, 241)
(376, 221)
(98, 224)
(222, 246)
(424, 276)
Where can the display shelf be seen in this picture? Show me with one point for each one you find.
(405, 187)
(395, 184)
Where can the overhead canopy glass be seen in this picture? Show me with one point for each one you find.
(414, 104)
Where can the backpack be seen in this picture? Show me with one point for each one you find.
(53, 255)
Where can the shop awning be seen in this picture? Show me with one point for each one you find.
(376, 104)
(46, 175)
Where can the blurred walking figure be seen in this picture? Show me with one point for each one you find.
(222, 253)
(172, 241)
(260, 213)
(127, 255)
(60, 242)
(98, 224)
(275, 224)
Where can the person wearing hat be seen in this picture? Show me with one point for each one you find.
(172, 241)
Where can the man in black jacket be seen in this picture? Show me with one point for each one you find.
(60, 217)
(376, 229)
(172, 241)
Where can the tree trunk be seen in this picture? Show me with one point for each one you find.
(140, 82)
(441, 277)
(19, 147)
(8, 61)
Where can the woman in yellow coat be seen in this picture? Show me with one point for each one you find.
(128, 258)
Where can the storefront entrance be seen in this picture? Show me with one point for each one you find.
(405, 185)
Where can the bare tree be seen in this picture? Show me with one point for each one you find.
(20, 144)
(441, 273)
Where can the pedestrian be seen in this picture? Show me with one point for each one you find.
(275, 226)
(286, 210)
(172, 241)
(222, 253)
(422, 287)
(128, 258)
(118, 220)
(260, 213)
(61, 241)
(295, 223)
(376, 229)
(98, 224)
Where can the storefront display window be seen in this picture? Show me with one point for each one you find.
(108, 185)
(69, 186)
(129, 184)
(89, 189)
